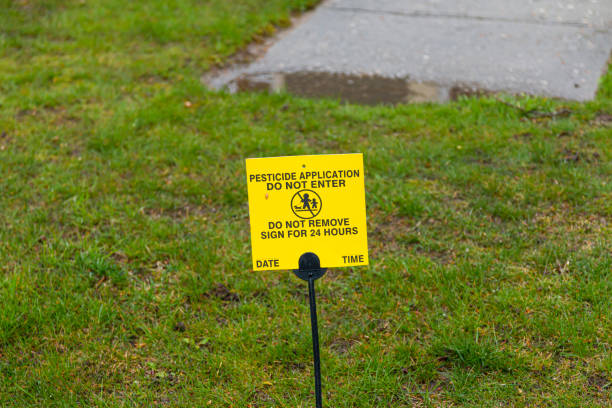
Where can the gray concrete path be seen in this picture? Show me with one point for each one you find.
(399, 50)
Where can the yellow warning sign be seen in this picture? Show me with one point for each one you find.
(301, 204)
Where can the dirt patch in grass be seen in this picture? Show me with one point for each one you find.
(223, 293)
(342, 346)
(579, 231)
(184, 211)
(260, 398)
(603, 119)
(390, 234)
(575, 156)
(599, 381)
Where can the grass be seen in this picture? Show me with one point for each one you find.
(125, 268)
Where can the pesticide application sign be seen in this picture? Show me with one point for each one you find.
(301, 204)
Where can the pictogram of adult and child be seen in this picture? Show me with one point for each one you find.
(306, 204)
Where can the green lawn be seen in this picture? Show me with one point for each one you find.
(125, 274)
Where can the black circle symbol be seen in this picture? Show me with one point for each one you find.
(306, 204)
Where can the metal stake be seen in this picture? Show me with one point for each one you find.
(315, 342)
(310, 270)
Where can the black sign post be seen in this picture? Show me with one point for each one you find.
(310, 270)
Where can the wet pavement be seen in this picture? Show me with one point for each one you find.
(393, 51)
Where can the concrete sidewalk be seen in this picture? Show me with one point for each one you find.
(374, 51)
